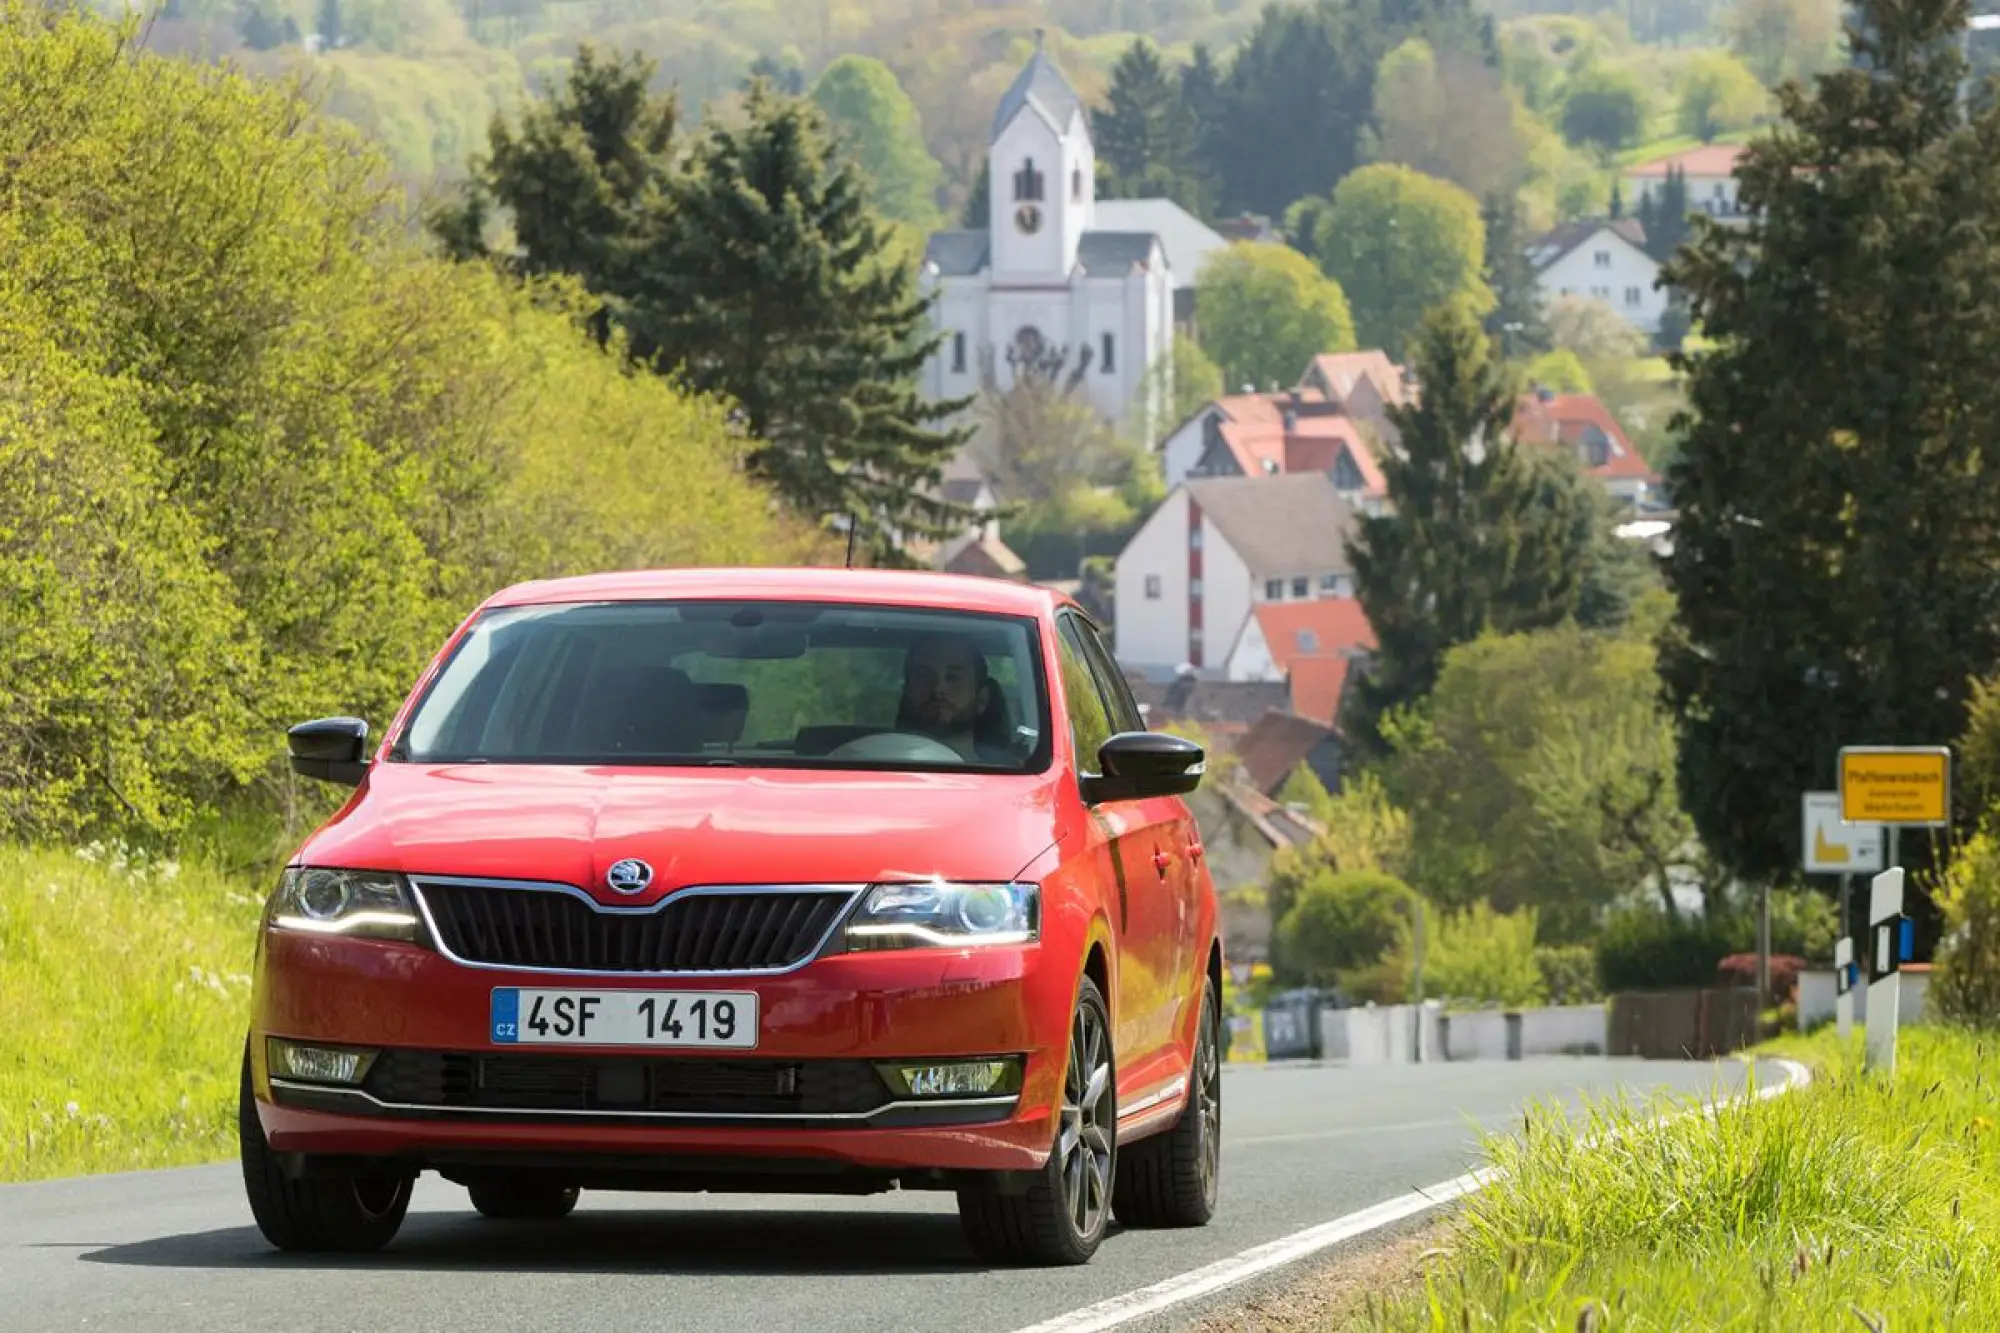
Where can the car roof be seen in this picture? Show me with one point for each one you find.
(895, 587)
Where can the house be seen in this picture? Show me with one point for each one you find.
(1188, 579)
(1279, 743)
(1604, 258)
(1709, 172)
(978, 549)
(1308, 645)
(1046, 275)
(1582, 424)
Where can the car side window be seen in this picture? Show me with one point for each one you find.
(1089, 720)
(1111, 681)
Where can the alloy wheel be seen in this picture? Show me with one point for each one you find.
(1208, 1092)
(1088, 1119)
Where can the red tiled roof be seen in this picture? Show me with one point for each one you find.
(1317, 683)
(1264, 448)
(1276, 744)
(1564, 419)
(1711, 159)
(1341, 370)
(1336, 625)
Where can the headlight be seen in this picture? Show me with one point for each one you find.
(939, 913)
(343, 902)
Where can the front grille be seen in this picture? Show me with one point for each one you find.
(698, 1086)
(689, 932)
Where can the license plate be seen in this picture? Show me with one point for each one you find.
(654, 1018)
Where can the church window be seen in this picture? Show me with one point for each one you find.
(958, 353)
(1110, 354)
(1028, 183)
(1076, 183)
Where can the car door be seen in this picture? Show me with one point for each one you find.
(1130, 855)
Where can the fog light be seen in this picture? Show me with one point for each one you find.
(318, 1064)
(971, 1078)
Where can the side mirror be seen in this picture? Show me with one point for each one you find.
(1134, 765)
(331, 749)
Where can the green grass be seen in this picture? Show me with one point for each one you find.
(124, 993)
(1859, 1202)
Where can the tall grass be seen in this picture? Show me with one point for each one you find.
(1858, 1202)
(124, 994)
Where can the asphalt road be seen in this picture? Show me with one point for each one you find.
(172, 1250)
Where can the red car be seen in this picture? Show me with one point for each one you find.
(812, 880)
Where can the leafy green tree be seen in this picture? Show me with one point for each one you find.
(1480, 956)
(1475, 540)
(762, 275)
(1448, 117)
(870, 111)
(1184, 380)
(1264, 311)
(1516, 321)
(1835, 581)
(979, 203)
(1339, 925)
(1605, 108)
(1560, 371)
(1718, 94)
(1778, 39)
(1400, 243)
(1540, 774)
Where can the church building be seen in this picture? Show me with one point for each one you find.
(1042, 276)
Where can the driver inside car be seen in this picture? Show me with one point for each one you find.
(949, 696)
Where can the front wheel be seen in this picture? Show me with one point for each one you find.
(345, 1214)
(1062, 1217)
(1172, 1179)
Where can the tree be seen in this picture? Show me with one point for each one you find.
(1184, 380)
(1266, 311)
(979, 203)
(1474, 540)
(1146, 137)
(1718, 95)
(763, 274)
(1664, 214)
(329, 25)
(1400, 243)
(1448, 117)
(872, 114)
(1836, 580)
(1339, 925)
(1605, 108)
(1782, 38)
(1516, 321)
(1539, 774)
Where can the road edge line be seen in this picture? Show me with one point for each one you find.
(1259, 1259)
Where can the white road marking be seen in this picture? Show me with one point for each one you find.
(1263, 1258)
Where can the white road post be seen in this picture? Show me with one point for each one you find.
(1885, 910)
(1843, 985)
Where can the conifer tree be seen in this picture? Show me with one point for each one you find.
(1477, 536)
(1838, 479)
(1146, 135)
(1515, 322)
(764, 274)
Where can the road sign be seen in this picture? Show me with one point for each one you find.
(1833, 847)
(1889, 784)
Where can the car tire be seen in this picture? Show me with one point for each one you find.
(1172, 1179)
(512, 1201)
(345, 1214)
(1061, 1219)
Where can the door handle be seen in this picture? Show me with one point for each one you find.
(1161, 861)
(1194, 848)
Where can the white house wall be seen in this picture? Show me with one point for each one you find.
(1153, 632)
(1225, 597)
(1252, 660)
(1048, 253)
(1626, 285)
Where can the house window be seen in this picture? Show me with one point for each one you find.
(1194, 587)
(1307, 641)
(1152, 587)
(1301, 587)
(1274, 590)
(1076, 183)
(1329, 583)
(1110, 354)
(1602, 259)
(1632, 296)
(1600, 291)
(1028, 183)
(1194, 537)
(958, 353)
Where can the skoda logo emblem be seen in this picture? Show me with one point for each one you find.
(628, 876)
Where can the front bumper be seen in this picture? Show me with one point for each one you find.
(806, 1097)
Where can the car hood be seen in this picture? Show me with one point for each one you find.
(693, 826)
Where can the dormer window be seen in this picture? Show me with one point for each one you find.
(1308, 642)
(1028, 184)
(1596, 448)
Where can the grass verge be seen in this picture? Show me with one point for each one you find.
(124, 982)
(1856, 1203)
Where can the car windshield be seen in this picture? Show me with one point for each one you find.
(741, 682)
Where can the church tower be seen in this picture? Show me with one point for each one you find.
(1043, 187)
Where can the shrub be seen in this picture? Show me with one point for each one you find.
(1484, 957)
(1740, 969)
(1569, 973)
(1342, 924)
(1644, 948)
(1965, 982)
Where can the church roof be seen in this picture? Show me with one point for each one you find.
(958, 254)
(1113, 254)
(1043, 86)
(1187, 240)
